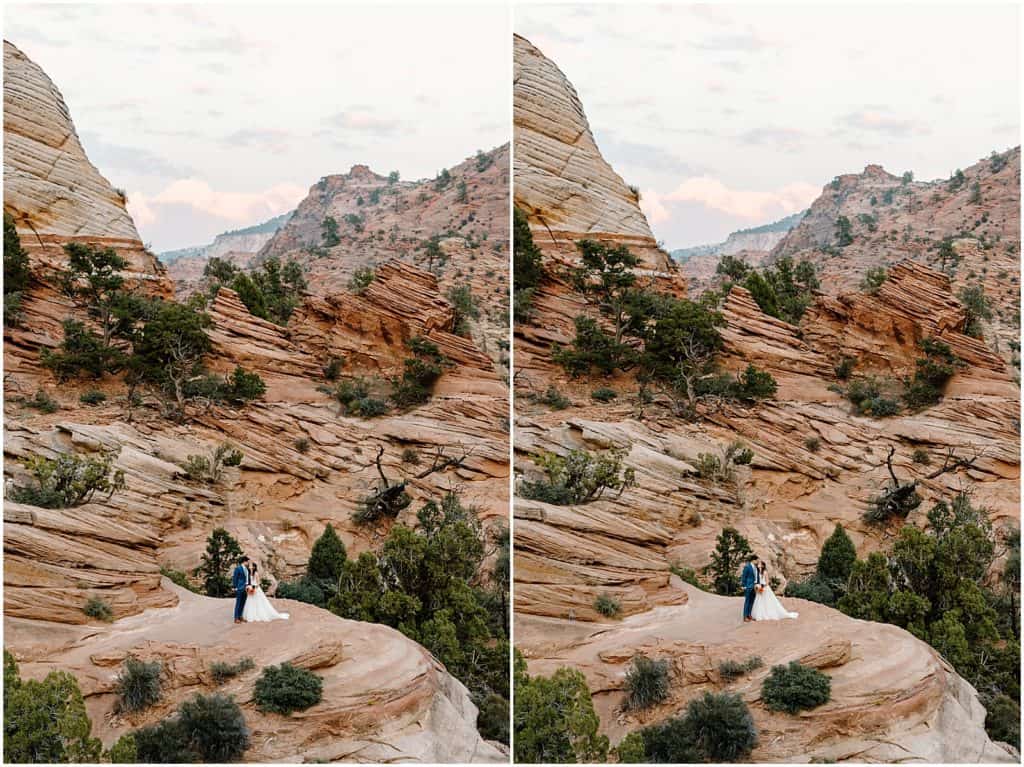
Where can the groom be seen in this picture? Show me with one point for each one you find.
(240, 583)
(748, 580)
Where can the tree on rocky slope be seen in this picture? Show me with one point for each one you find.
(899, 497)
(45, 722)
(222, 551)
(936, 583)
(16, 272)
(731, 552)
(430, 583)
(554, 719)
(527, 268)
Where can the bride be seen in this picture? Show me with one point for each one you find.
(766, 605)
(257, 606)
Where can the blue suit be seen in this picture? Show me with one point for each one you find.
(239, 580)
(748, 579)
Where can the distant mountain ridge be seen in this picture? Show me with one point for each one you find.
(229, 241)
(763, 237)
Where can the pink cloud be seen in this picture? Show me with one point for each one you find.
(745, 203)
(240, 207)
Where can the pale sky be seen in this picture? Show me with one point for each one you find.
(732, 116)
(216, 117)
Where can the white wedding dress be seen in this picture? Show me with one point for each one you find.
(767, 606)
(258, 608)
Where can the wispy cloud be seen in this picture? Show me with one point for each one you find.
(239, 207)
(365, 120)
(119, 157)
(785, 139)
(645, 156)
(266, 139)
(748, 204)
(882, 120)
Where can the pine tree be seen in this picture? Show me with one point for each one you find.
(327, 560)
(727, 558)
(221, 552)
(837, 556)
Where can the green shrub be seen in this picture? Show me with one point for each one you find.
(921, 457)
(795, 688)
(124, 751)
(164, 743)
(813, 444)
(976, 309)
(179, 578)
(45, 722)
(361, 279)
(1002, 721)
(716, 727)
(932, 373)
(578, 478)
(302, 590)
(43, 402)
(753, 384)
(844, 231)
(138, 685)
(215, 727)
(99, 610)
(410, 456)
(329, 232)
(302, 444)
(492, 721)
(92, 397)
(17, 274)
(608, 606)
(200, 468)
(647, 683)
(814, 589)
(332, 370)
(844, 368)
(731, 669)
(419, 375)
(631, 749)
(68, 480)
(242, 387)
(287, 688)
(554, 399)
(465, 308)
(222, 671)
(603, 394)
(871, 396)
(554, 719)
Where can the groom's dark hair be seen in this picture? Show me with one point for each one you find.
(752, 558)
(243, 560)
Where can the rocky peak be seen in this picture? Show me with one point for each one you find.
(563, 184)
(52, 191)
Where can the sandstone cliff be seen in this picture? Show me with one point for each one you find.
(893, 219)
(305, 465)
(379, 219)
(815, 464)
(563, 185)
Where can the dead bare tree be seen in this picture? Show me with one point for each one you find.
(390, 496)
(900, 498)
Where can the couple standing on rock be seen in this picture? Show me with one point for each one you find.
(251, 604)
(759, 601)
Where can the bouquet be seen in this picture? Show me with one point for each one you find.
(250, 589)
(760, 588)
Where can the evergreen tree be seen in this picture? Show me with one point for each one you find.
(222, 552)
(837, 556)
(328, 557)
(730, 554)
(45, 722)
